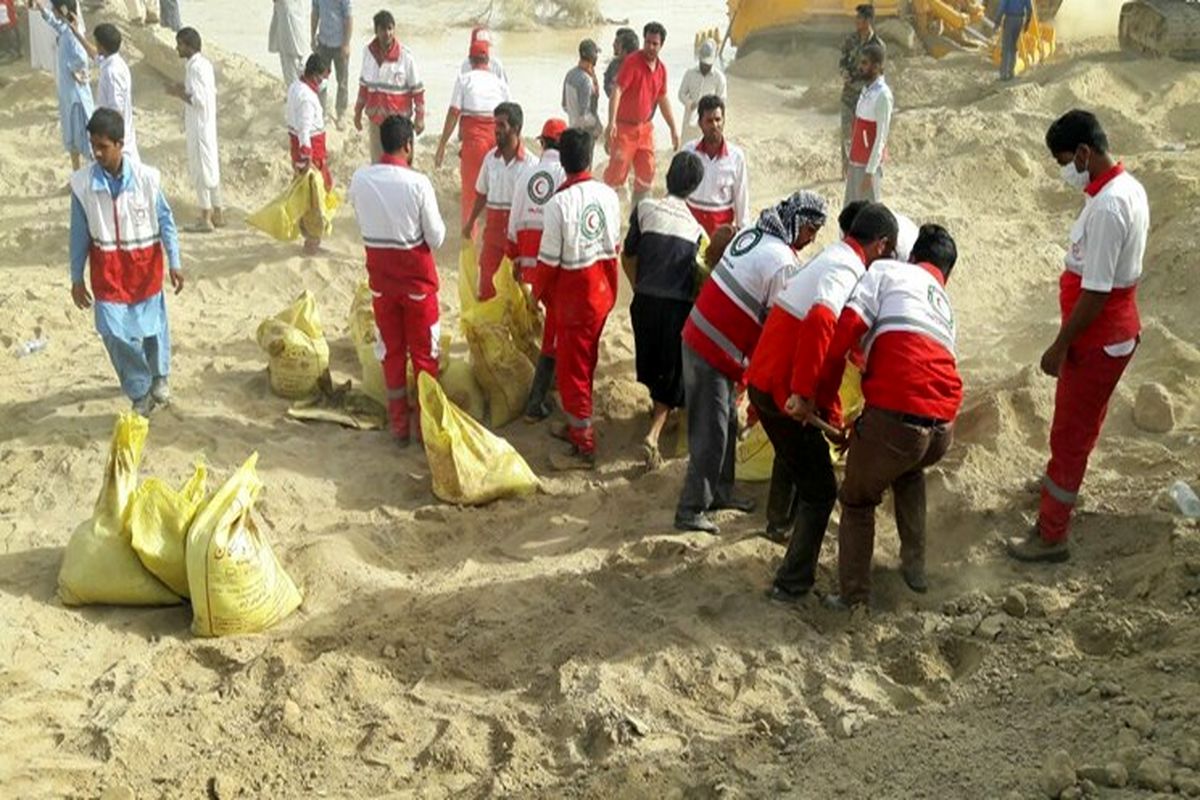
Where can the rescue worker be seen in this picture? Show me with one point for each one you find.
(661, 250)
(75, 101)
(718, 340)
(401, 226)
(1100, 322)
(901, 316)
(199, 94)
(122, 227)
(700, 81)
(872, 123)
(494, 190)
(641, 88)
(473, 104)
(484, 37)
(577, 274)
(114, 89)
(853, 82)
(306, 136)
(389, 84)
(782, 379)
(536, 184)
(723, 197)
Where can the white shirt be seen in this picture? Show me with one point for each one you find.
(115, 91)
(726, 183)
(396, 208)
(536, 185)
(494, 66)
(875, 104)
(498, 178)
(477, 93)
(200, 118)
(303, 112)
(696, 85)
(827, 280)
(582, 227)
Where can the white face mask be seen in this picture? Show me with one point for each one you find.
(1074, 177)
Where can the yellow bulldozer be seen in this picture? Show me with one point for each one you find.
(940, 27)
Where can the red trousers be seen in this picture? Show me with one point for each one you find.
(1085, 384)
(478, 138)
(711, 219)
(408, 328)
(582, 300)
(491, 254)
(632, 146)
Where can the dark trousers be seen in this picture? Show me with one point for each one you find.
(341, 68)
(712, 435)
(782, 498)
(1010, 35)
(885, 451)
(805, 455)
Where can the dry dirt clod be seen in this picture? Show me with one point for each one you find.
(1139, 720)
(118, 793)
(1058, 774)
(1153, 773)
(1153, 410)
(1189, 754)
(1015, 604)
(1116, 775)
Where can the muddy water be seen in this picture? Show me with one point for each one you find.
(438, 33)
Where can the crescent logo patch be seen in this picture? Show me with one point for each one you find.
(541, 188)
(592, 224)
(745, 242)
(941, 306)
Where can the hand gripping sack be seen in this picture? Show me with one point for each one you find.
(159, 518)
(469, 464)
(99, 565)
(237, 584)
(297, 352)
(367, 344)
(304, 204)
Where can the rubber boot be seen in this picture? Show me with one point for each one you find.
(536, 407)
(798, 572)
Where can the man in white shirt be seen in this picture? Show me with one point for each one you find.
(872, 123)
(723, 197)
(305, 117)
(401, 226)
(700, 81)
(1100, 323)
(115, 88)
(199, 94)
(483, 36)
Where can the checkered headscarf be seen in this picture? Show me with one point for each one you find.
(785, 219)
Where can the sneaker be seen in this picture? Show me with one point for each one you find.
(144, 405)
(160, 391)
(781, 595)
(742, 504)
(915, 578)
(1032, 548)
(778, 534)
(696, 522)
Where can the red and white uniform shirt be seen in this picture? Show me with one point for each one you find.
(729, 313)
(477, 93)
(577, 260)
(1107, 245)
(901, 316)
(398, 216)
(800, 327)
(126, 255)
(498, 179)
(535, 186)
(723, 196)
(390, 84)
(306, 124)
(872, 122)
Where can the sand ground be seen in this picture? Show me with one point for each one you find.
(573, 644)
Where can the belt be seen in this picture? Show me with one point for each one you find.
(913, 419)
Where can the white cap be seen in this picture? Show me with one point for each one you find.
(708, 52)
(907, 238)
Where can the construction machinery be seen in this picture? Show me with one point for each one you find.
(940, 27)
(1161, 28)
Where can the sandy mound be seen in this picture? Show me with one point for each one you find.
(573, 645)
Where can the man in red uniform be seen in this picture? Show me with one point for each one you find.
(389, 84)
(640, 89)
(473, 102)
(1100, 323)
(536, 185)
(719, 337)
(723, 197)
(900, 314)
(783, 382)
(306, 135)
(401, 226)
(577, 272)
(494, 190)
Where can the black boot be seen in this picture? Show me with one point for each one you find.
(537, 407)
(798, 572)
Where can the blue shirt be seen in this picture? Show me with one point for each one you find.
(1016, 8)
(138, 320)
(332, 16)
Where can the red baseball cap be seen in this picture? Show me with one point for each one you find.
(553, 129)
(481, 41)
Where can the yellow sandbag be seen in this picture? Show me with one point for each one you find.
(754, 456)
(303, 204)
(852, 402)
(237, 584)
(159, 518)
(367, 344)
(524, 320)
(461, 388)
(99, 565)
(296, 348)
(468, 276)
(470, 465)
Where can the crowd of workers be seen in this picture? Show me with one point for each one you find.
(755, 319)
